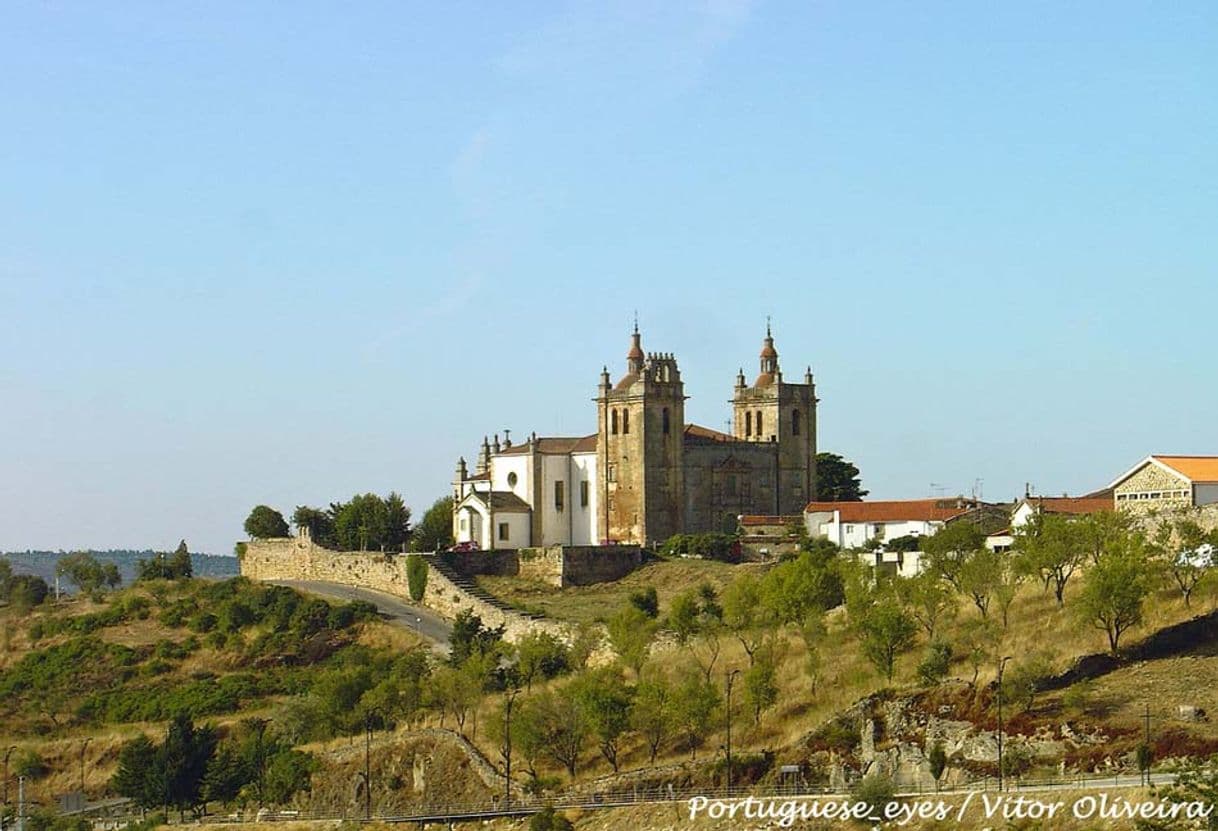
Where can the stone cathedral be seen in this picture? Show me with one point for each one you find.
(646, 474)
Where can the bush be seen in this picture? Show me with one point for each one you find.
(30, 764)
(877, 792)
(416, 577)
(723, 547)
(646, 601)
(547, 820)
(935, 665)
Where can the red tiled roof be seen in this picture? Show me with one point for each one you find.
(557, 445)
(899, 510)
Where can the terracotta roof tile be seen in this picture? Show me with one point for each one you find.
(1195, 468)
(1072, 504)
(556, 445)
(900, 510)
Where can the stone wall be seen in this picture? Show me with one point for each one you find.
(1151, 478)
(300, 559)
(556, 565)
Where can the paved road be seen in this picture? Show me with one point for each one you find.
(397, 610)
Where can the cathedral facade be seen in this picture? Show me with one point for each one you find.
(646, 474)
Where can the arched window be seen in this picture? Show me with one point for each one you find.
(759, 423)
(625, 421)
(665, 416)
(748, 423)
(795, 422)
(613, 422)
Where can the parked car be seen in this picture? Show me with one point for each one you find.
(468, 545)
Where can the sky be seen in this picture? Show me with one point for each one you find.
(280, 253)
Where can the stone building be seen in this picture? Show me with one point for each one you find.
(646, 474)
(1163, 483)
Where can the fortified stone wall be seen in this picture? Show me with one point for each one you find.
(300, 559)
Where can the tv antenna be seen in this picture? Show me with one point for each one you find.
(937, 490)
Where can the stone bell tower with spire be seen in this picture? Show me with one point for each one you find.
(775, 412)
(640, 464)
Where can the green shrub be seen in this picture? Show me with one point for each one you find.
(547, 820)
(30, 764)
(416, 577)
(935, 665)
(877, 792)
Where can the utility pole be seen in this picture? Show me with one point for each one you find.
(1001, 666)
(20, 803)
(7, 753)
(731, 676)
(368, 766)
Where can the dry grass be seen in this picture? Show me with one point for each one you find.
(588, 604)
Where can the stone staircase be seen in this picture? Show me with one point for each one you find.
(470, 586)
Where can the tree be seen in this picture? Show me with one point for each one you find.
(287, 773)
(435, 531)
(265, 523)
(1187, 552)
(1102, 529)
(948, 550)
(936, 664)
(397, 523)
(1051, 547)
(83, 570)
(317, 522)
(761, 682)
(979, 577)
(630, 634)
(1021, 682)
(794, 589)
(651, 714)
(227, 773)
(928, 599)
(978, 640)
(886, 630)
(456, 690)
(470, 637)
(25, 591)
(540, 655)
(744, 613)
(183, 759)
(179, 563)
(139, 776)
(605, 702)
(1115, 588)
(564, 726)
(695, 700)
(837, 480)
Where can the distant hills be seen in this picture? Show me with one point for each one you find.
(42, 563)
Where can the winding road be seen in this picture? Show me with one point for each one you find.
(395, 610)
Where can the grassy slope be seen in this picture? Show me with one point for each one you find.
(61, 746)
(1037, 626)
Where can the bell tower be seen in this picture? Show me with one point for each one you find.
(640, 449)
(783, 415)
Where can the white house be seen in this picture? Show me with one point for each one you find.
(1030, 506)
(539, 493)
(854, 524)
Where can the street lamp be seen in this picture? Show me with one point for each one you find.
(731, 676)
(1001, 666)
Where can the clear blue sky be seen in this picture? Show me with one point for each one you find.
(267, 252)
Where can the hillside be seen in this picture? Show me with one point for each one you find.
(42, 564)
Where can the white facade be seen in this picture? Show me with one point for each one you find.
(539, 493)
(847, 534)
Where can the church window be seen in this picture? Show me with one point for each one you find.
(513, 479)
(795, 422)
(612, 473)
(665, 419)
(625, 421)
(759, 422)
(730, 484)
(559, 495)
(748, 423)
(583, 494)
(503, 530)
(613, 422)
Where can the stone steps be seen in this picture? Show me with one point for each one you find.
(471, 587)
